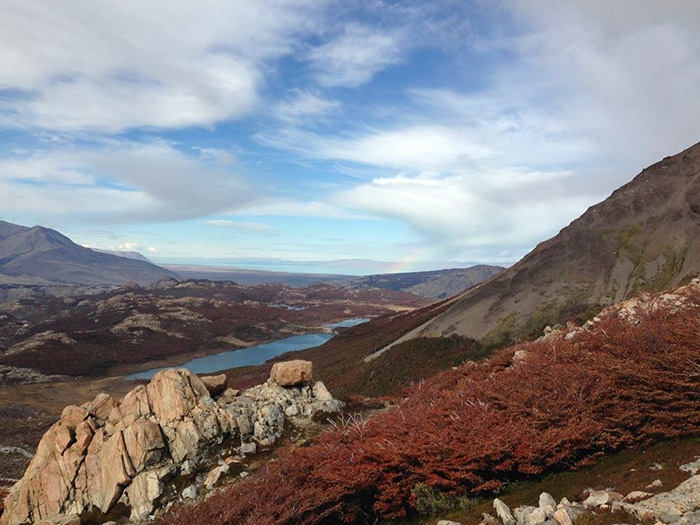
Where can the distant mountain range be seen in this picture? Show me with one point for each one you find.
(436, 284)
(644, 237)
(42, 256)
(129, 255)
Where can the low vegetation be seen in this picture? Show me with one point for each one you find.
(131, 328)
(340, 364)
(534, 409)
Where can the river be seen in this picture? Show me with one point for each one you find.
(253, 355)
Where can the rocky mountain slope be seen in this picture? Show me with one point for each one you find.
(41, 256)
(645, 236)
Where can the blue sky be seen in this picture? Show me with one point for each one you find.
(350, 136)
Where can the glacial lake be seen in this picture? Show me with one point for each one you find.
(253, 355)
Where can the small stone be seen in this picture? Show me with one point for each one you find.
(244, 426)
(247, 448)
(215, 385)
(692, 468)
(448, 522)
(187, 467)
(564, 503)
(487, 519)
(546, 500)
(189, 492)
(596, 498)
(291, 410)
(636, 495)
(530, 515)
(656, 484)
(214, 476)
(321, 393)
(562, 517)
(503, 512)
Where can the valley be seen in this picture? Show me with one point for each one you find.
(63, 349)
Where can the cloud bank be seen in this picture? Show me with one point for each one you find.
(464, 130)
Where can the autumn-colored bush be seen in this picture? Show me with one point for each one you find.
(538, 407)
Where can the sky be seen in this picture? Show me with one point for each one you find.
(347, 136)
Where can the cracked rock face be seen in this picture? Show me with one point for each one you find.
(108, 455)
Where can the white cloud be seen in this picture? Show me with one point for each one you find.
(225, 89)
(304, 105)
(251, 228)
(37, 203)
(112, 66)
(422, 147)
(592, 93)
(472, 215)
(355, 56)
(540, 109)
(123, 182)
(623, 75)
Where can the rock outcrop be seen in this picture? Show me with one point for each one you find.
(108, 458)
(680, 505)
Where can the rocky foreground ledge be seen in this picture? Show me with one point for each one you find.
(679, 506)
(107, 459)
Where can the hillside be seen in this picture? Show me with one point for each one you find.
(644, 237)
(42, 256)
(122, 330)
(626, 379)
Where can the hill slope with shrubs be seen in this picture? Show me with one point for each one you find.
(644, 237)
(629, 378)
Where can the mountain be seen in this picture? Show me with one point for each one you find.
(644, 237)
(41, 256)
(253, 277)
(436, 284)
(128, 255)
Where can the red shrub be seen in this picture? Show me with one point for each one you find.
(472, 429)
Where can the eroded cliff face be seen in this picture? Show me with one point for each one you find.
(108, 458)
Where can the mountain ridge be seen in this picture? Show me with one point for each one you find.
(436, 284)
(644, 237)
(40, 256)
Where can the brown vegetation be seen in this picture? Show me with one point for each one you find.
(536, 408)
(340, 361)
(114, 332)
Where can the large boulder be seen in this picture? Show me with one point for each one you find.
(292, 373)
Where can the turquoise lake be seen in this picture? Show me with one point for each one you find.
(253, 355)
